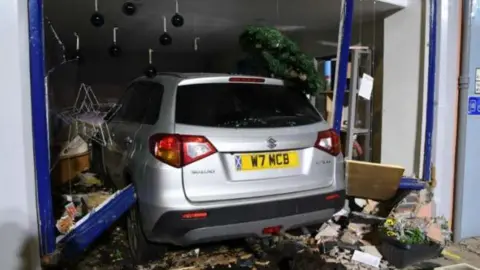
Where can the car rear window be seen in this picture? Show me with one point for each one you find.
(243, 105)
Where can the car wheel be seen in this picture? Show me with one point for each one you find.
(141, 250)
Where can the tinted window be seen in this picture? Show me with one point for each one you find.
(154, 104)
(243, 105)
(141, 103)
(121, 111)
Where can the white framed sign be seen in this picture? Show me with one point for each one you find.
(477, 81)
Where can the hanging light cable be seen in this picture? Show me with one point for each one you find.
(195, 43)
(77, 55)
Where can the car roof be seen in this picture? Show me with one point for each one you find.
(179, 76)
(193, 75)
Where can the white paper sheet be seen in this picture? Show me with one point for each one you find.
(366, 86)
(366, 258)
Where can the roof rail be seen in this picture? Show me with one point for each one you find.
(171, 74)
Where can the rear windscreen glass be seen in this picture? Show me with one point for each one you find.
(243, 105)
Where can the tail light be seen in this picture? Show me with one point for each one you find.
(194, 215)
(246, 80)
(332, 197)
(329, 141)
(180, 150)
(272, 230)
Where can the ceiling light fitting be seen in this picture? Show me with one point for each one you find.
(97, 18)
(150, 71)
(115, 50)
(165, 39)
(129, 8)
(177, 19)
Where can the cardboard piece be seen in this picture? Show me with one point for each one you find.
(372, 180)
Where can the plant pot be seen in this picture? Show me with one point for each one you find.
(402, 255)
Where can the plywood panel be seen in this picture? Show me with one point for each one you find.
(372, 180)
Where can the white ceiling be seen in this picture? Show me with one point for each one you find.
(217, 22)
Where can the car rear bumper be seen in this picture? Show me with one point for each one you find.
(244, 220)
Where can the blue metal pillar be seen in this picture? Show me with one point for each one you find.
(430, 106)
(40, 128)
(342, 62)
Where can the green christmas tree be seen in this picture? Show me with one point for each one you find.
(270, 50)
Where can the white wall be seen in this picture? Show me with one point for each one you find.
(403, 85)
(18, 208)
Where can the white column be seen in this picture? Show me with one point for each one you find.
(446, 89)
(18, 207)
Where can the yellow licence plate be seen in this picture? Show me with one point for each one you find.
(261, 161)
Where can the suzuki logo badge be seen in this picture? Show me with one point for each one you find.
(271, 143)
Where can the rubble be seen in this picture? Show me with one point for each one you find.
(372, 250)
(89, 180)
(371, 207)
(349, 237)
(328, 230)
(340, 243)
(77, 206)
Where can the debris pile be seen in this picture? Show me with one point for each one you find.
(79, 199)
(349, 240)
(350, 245)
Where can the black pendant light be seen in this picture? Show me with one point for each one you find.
(150, 71)
(115, 50)
(177, 19)
(129, 8)
(97, 18)
(165, 39)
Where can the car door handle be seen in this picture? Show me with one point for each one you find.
(128, 140)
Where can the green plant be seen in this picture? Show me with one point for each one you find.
(414, 236)
(414, 230)
(407, 231)
(269, 50)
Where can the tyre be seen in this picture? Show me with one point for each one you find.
(141, 250)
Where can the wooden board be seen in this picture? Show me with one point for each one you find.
(68, 168)
(372, 180)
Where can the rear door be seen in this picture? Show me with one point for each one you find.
(124, 127)
(264, 133)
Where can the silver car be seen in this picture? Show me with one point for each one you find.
(217, 156)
